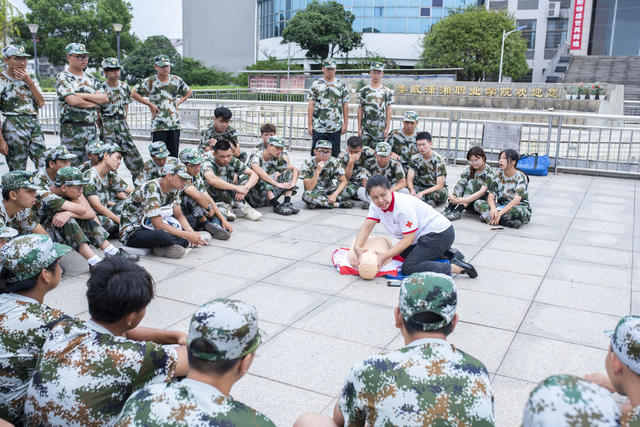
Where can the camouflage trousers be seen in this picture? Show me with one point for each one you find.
(257, 197)
(75, 232)
(228, 196)
(351, 190)
(520, 212)
(472, 186)
(438, 197)
(319, 197)
(191, 208)
(116, 131)
(371, 140)
(25, 140)
(75, 137)
(107, 223)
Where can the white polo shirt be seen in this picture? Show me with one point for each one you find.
(407, 214)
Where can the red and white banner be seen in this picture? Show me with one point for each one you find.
(575, 36)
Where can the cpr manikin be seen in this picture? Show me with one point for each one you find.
(369, 261)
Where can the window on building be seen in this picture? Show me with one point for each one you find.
(437, 3)
(498, 4)
(527, 4)
(425, 11)
(529, 33)
(556, 33)
(378, 11)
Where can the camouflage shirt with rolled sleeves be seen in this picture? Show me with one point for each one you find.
(146, 201)
(24, 221)
(393, 171)
(119, 98)
(25, 325)
(428, 171)
(329, 98)
(404, 146)
(229, 134)
(466, 182)
(330, 174)
(47, 205)
(42, 179)
(505, 189)
(272, 166)
(86, 374)
(359, 171)
(105, 188)
(70, 84)
(164, 96)
(234, 169)
(150, 170)
(429, 382)
(16, 97)
(374, 103)
(187, 403)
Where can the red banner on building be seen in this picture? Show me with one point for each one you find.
(575, 37)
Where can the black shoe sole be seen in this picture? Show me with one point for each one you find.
(467, 268)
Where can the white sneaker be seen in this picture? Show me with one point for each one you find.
(227, 211)
(173, 251)
(250, 213)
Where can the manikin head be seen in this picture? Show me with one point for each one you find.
(368, 265)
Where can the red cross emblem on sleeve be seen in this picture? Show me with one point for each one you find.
(409, 224)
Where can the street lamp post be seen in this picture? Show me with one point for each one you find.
(34, 29)
(504, 37)
(118, 28)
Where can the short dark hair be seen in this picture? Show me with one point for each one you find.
(414, 325)
(267, 127)
(223, 145)
(423, 135)
(222, 112)
(5, 193)
(354, 142)
(117, 287)
(378, 181)
(21, 285)
(208, 367)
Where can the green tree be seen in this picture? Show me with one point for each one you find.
(271, 63)
(323, 30)
(139, 63)
(193, 72)
(82, 21)
(9, 20)
(472, 40)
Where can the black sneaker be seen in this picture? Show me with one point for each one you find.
(124, 254)
(467, 268)
(292, 207)
(364, 205)
(432, 203)
(216, 230)
(346, 204)
(511, 223)
(282, 209)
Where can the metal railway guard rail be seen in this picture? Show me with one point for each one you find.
(575, 142)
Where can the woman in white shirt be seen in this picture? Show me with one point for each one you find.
(424, 234)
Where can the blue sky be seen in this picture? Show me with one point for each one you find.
(150, 17)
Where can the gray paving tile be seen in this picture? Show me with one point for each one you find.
(491, 310)
(612, 226)
(323, 256)
(512, 261)
(467, 236)
(199, 286)
(312, 277)
(636, 279)
(510, 284)
(280, 304)
(578, 327)
(317, 233)
(533, 359)
(595, 238)
(275, 225)
(635, 304)
(305, 215)
(286, 247)
(74, 264)
(488, 345)
(374, 291)
(596, 255)
(620, 202)
(345, 221)
(198, 256)
(582, 296)
(605, 212)
(524, 245)
(240, 238)
(595, 274)
(469, 251)
(352, 320)
(69, 296)
(246, 264)
(159, 268)
(555, 210)
(556, 202)
(304, 359)
(163, 312)
(510, 396)
(552, 220)
(537, 231)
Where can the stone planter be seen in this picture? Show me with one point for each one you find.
(567, 96)
(583, 96)
(602, 97)
(592, 97)
(574, 96)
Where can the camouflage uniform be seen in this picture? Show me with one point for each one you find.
(24, 221)
(24, 322)
(466, 185)
(59, 152)
(150, 171)
(328, 98)
(42, 179)
(625, 344)
(428, 382)
(328, 182)
(257, 196)
(233, 173)
(190, 207)
(393, 171)
(232, 326)
(634, 417)
(374, 103)
(163, 96)
(404, 146)
(20, 127)
(359, 172)
(426, 175)
(146, 201)
(77, 125)
(229, 134)
(505, 189)
(86, 374)
(106, 189)
(115, 128)
(565, 400)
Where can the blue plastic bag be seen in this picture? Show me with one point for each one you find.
(532, 164)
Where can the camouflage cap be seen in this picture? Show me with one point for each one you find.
(329, 63)
(19, 179)
(158, 149)
(379, 66)
(76, 48)
(161, 60)
(625, 342)
(230, 326)
(428, 292)
(110, 147)
(7, 233)
(192, 155)
(110, 63)
(70, 175)
(173, 166)
(410, 116)
(565, 400)
(14, 50)
(26, 255)
(278, 141)
(323, 143)
(383, 149)
(94, 146)
(59, 152)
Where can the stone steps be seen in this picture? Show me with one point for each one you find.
(607, 69)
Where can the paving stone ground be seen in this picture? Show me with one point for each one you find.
(543, 296)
